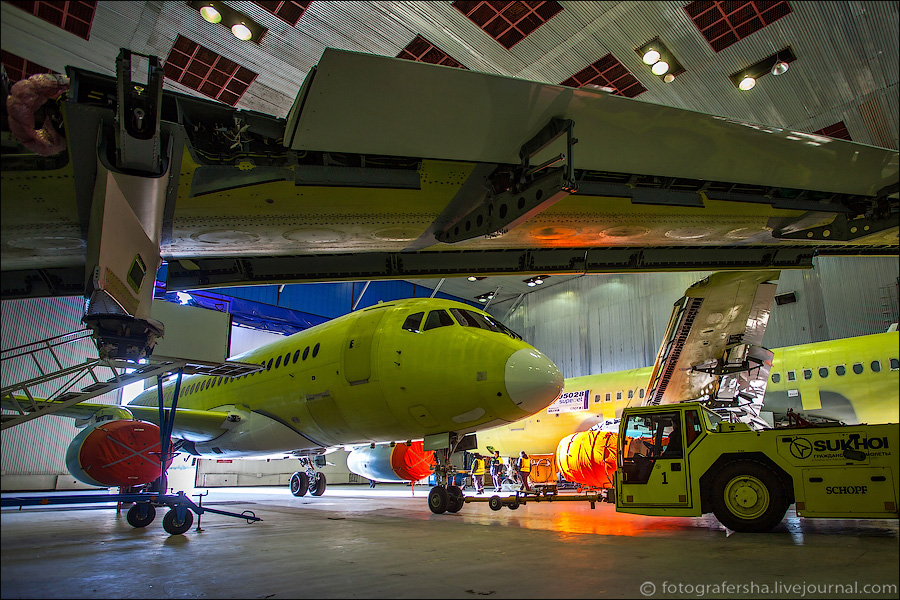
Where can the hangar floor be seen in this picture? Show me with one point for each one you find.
(357, 542)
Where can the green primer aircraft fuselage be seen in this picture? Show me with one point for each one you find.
(396, 371)
(854, 380)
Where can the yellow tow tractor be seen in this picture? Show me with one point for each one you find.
(683, 460)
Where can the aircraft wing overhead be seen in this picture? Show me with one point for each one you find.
(712, 345)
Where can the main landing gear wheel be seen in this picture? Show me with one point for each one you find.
(175, 527)
(300, 483)
(748, 497)
(317, 485)
(141, 515)
(495, 503)
(438, 500)
(456, 499)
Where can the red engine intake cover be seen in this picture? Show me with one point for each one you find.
(116, 453)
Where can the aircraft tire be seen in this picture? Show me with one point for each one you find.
(317, 485)
(495, 503)
(300, 483)
(456, 499)
(749, 497)
(175, 527)
(438, 500)
(134, 518)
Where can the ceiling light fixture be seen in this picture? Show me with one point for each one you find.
(210, 13)
(240, 25)
(536, 280)
(241, 31)
(661, 60)
(651, 56)
(780, 67)
(776, 64)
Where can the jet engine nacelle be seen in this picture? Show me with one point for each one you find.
(397, 464)
(588, 458)
(116, 453)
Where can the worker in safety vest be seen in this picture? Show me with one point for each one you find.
(524, 469)
(478, 473)
(496, 469)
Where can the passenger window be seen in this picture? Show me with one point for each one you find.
(597, 398)
(296, 356)
(841, 370)
(807, 374)
(823, 372)
(305, 352)
(437, 318)
(641, 393)
(630, 394)
(776, 377)
(278, 362)
(413, 322)
(269, 366)
(895, 364)
(857, 368)
(876, 366)
(792, 376)
(287, 357)
(608, 397)
(315, 350)
(618, 395)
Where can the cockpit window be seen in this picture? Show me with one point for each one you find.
(413, 322)
(437, 318)
(469, 318)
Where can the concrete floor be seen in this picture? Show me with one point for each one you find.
(357, 542)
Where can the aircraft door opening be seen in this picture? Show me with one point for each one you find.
(358, 347)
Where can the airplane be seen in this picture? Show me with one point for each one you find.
(405, 371)
(852, 380)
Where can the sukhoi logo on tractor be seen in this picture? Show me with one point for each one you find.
(854, 442)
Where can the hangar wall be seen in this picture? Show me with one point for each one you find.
(610, 322)
(33, 454)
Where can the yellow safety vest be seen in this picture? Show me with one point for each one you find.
(478, 467)
(526, 464)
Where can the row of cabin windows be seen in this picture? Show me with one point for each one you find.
(466, 318)
(840, 370)
(608, 398)
(279, 361)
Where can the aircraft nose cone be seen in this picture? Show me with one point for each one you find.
(532, 380)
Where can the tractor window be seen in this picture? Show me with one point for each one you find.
(693, 427)
(413, 322)
(437, 318)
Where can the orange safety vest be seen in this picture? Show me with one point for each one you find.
(525, 466)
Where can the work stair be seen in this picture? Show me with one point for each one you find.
(23, 399)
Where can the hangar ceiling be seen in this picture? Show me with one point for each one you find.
(841, 81)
